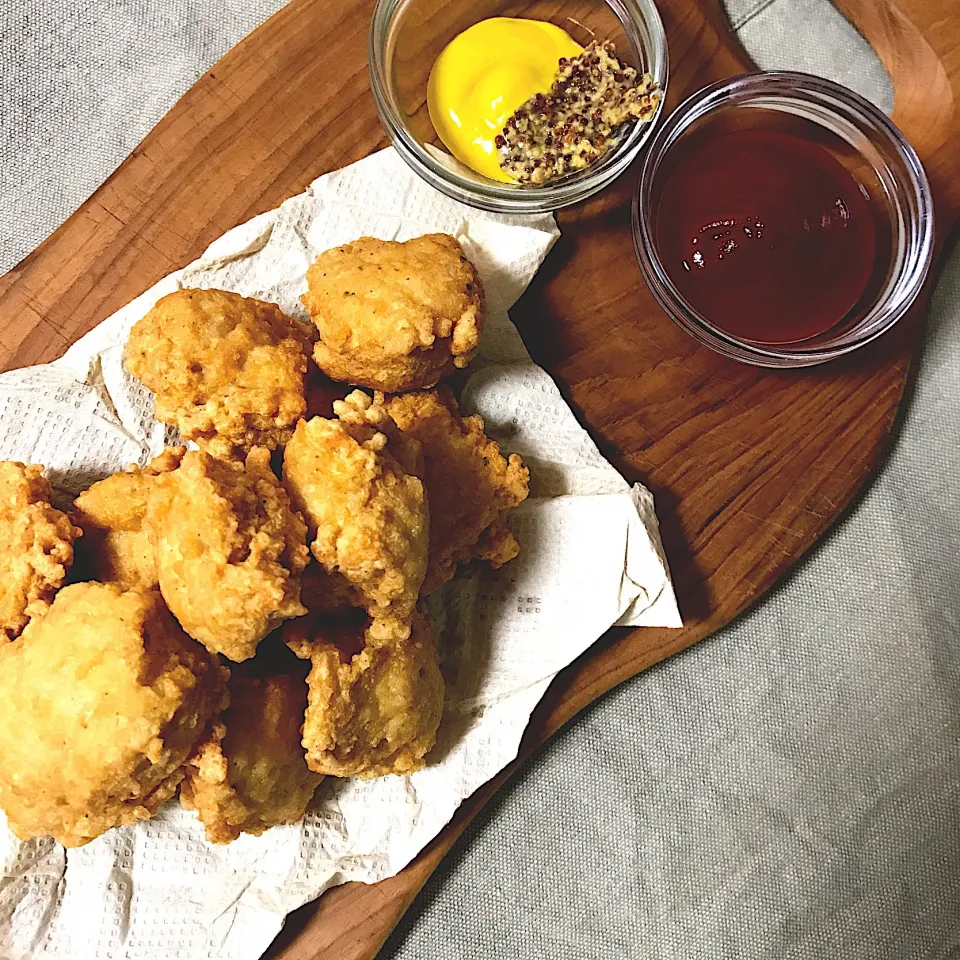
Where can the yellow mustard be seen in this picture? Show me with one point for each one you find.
(483, 75)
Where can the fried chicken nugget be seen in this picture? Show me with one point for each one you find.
(230, 550)
(366, 514)
(36, 546)
(101, 702)
(118, 545)
(471, 487)
(395, 316)
(375, 699)
(227, 370)
(251, 774)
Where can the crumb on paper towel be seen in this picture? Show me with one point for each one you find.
(590, 557)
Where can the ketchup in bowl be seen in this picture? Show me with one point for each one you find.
(782, 220)
(766, 233)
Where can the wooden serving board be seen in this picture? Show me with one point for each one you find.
(749, 467)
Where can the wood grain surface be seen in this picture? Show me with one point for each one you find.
(749, 467)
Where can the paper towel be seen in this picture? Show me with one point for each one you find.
(590, 557)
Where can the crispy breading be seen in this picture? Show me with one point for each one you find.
(375, 697)
(367, 516)
(230, 550)
(227, 370)
(36, 546)
(101, 702)
(395, 316)
(118, 544)
(470, 486)
(358, 409)
(251, 773)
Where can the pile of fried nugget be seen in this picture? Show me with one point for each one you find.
(239, 620)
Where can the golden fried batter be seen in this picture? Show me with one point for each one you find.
(251, 774)
(228, 371)
(230, 551)
(395, 316)
(471, 487)
(118, 544)
(358, 410)
(101, 702)
(36, 546)
(367, 516)
(375, 700)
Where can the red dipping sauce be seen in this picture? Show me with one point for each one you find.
(765, 234)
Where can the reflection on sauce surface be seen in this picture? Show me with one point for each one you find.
(765, 234)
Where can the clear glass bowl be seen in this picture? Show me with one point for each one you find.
(407, 36)
(865, 141)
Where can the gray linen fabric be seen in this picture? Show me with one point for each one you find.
(789, 788)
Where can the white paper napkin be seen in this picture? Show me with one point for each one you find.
(590, 557)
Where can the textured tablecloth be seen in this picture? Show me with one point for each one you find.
(789, 788)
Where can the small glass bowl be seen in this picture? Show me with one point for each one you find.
(407, 36)
(860, 137)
